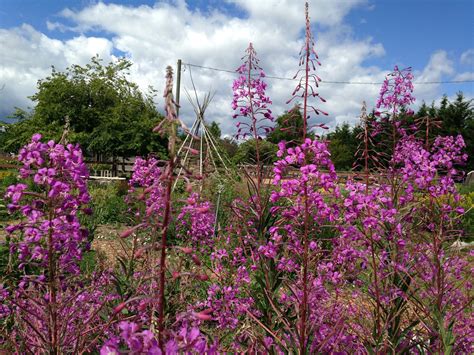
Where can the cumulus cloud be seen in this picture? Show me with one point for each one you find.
(467, 57)
(288, 13)
(438, 68)
(153, 37)
(464, 76)
(28, 56)
(214, 39)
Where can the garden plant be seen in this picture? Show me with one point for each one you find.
(304, 263)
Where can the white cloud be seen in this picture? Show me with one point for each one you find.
(467, 57)
(464, 76)
(156, 36)
(288, 13)
(438, 68)
(28, 56)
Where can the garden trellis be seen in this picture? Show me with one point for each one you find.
(199, 141)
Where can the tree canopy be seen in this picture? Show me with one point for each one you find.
(449, 118)
(107, 113)
(288, 127)
(246, 153)
(343, 145)
(452, 118)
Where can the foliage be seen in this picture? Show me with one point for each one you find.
(467, 202)
(343, 145)
(288, 128)
(227, 146)
(230, 146)
(246, 153)
(7, 178)
(107, 114)
(108, 204)
(215, 130)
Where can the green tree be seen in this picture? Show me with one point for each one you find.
(17, 134)
(230, 146)
(343, 146)
(288, 127)
(246, 153)
(215, 130)
(453, 118)
(107, 113)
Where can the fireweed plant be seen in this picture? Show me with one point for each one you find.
(305, 89)
(48, 306)
(403, 226)
(150, 184)
(252, 105)
(312, 266)
(308, 79)
(281, 260)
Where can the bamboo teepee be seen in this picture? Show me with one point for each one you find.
(200, 142)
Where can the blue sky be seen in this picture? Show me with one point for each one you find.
(426, 25)
(412, 29)
(358, 40)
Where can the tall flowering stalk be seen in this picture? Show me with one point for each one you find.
(53, 234)
(393, 104)
(48, 305)
(403, 246)
(364, 148)
(252, 104)
(194, 222)
(153, 185)
(51, 237)
(313, 195)
(381, 213)
(168, 177)
(306, 88)
(309, 80)
(443, 294)
(157, 184)
(396, 92)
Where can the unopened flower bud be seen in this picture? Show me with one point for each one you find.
(139, 253)
(204, 315)
(203, 277)
(186, 250)
(196, 260)
(119, 308)
(128, 232)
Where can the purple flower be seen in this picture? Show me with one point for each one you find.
(61, 179)
(250, 101)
